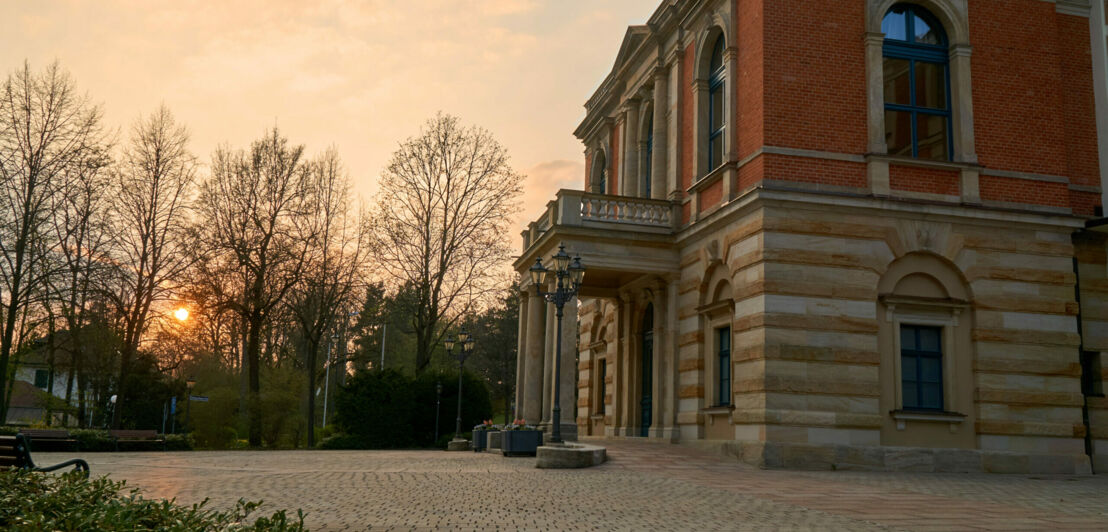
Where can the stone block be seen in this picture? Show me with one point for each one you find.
(859, 458)
(910, 459)
(1052, 464)
(458, 445)
(957, 461)
(1006, 463)
(810, 457)
(569, 456)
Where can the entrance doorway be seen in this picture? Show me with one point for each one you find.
(646, 404)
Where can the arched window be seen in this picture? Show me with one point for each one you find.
(600, 173)
(717, 116)
(917, 84)
(646, 174)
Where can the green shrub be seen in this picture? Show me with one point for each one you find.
(37, 501)
(8, 430)
(386, 409)
(92, 440)
(213, 422)
(178, 442)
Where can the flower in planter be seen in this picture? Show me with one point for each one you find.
(486, 425)
(518, 424)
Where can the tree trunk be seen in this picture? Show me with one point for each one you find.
(311, 398)
(254, 401)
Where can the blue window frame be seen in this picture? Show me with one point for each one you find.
(724, 382)
(917, 84)
(717, 115)
(42, 378)
(921, 367)
(601, 173)
(649, 155)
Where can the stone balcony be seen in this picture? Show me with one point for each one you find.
(619, 238)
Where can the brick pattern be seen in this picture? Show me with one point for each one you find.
(815, 76)
(823, 172)
(711, 196)
(750, 77)
(926, 180)
(1026, 191)
(688, 126)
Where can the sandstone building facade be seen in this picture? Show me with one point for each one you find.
(851, 234)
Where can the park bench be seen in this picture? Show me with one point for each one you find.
(50, 439)
(15, 451)
(136, 436)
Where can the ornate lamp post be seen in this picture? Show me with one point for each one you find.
(438, 402)
(567, 279)
(465, 342)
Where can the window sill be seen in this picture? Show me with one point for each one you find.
(709, 178)
(597, 417)
(903, 416)
(717, 410)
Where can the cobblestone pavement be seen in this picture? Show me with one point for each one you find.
(644, 486)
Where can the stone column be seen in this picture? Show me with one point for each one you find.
(661, 108)
(961, 88)
(536, 353)
(628, 422)
(630, 180)
(548, 365)
(568, 369)
(660, 391)
(521, 356)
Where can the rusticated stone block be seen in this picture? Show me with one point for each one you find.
(910, 459)
(957, 461)
(811, 457)
(1006, 463)
(850, 458)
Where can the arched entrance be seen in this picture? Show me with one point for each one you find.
(646, 404)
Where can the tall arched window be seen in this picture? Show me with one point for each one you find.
(600, 173)
(646, 175)
(717, 116)
(917, 84)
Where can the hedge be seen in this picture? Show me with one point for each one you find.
(38, 501)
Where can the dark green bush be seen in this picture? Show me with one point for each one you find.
(178, 442)
(387, 409)
(8, 430)
(93, 441)
(38, 501)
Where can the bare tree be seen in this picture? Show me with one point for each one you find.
(155, 181)
(333, 274)
(441, 222)
(254, 241)
(80, 225)
(45, 127)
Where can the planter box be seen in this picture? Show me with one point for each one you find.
(520, 442)
(480, 439)
(494, 440)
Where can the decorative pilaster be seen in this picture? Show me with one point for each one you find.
(521, 356)
(661, 146)
(629, 182)
(536, 353)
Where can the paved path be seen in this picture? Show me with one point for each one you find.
(645, 486)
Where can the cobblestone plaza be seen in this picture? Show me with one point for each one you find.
(644, 486)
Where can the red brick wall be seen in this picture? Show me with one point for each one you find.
(806, 169)
(711, 196)
(815, 75)
(750, 101)
(1017, 91)
(1079, 102)
(1024, 191)
(751, 173)
(927, 180)
(613, 163)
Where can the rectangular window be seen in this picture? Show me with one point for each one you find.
(921, 367)
(602, 385)
(898, 132)
(1092, 378)
(724, 368)
(42, 378)
(932, 134)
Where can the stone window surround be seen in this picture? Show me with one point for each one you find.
(595, 154)
(954, 16)
(915, 311)
(598, 391)
(701, 97)
(715, 316)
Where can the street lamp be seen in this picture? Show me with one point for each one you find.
(465, 342)
(567, 276)
(189, 383)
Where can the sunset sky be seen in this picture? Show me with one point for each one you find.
(359, 75)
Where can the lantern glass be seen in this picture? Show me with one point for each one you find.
(468, 345)
(561, 259)
(463, 336)
(449, 343)
(577, 271)
(538, 273)
(190, 383)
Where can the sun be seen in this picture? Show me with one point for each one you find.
(181, 314)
